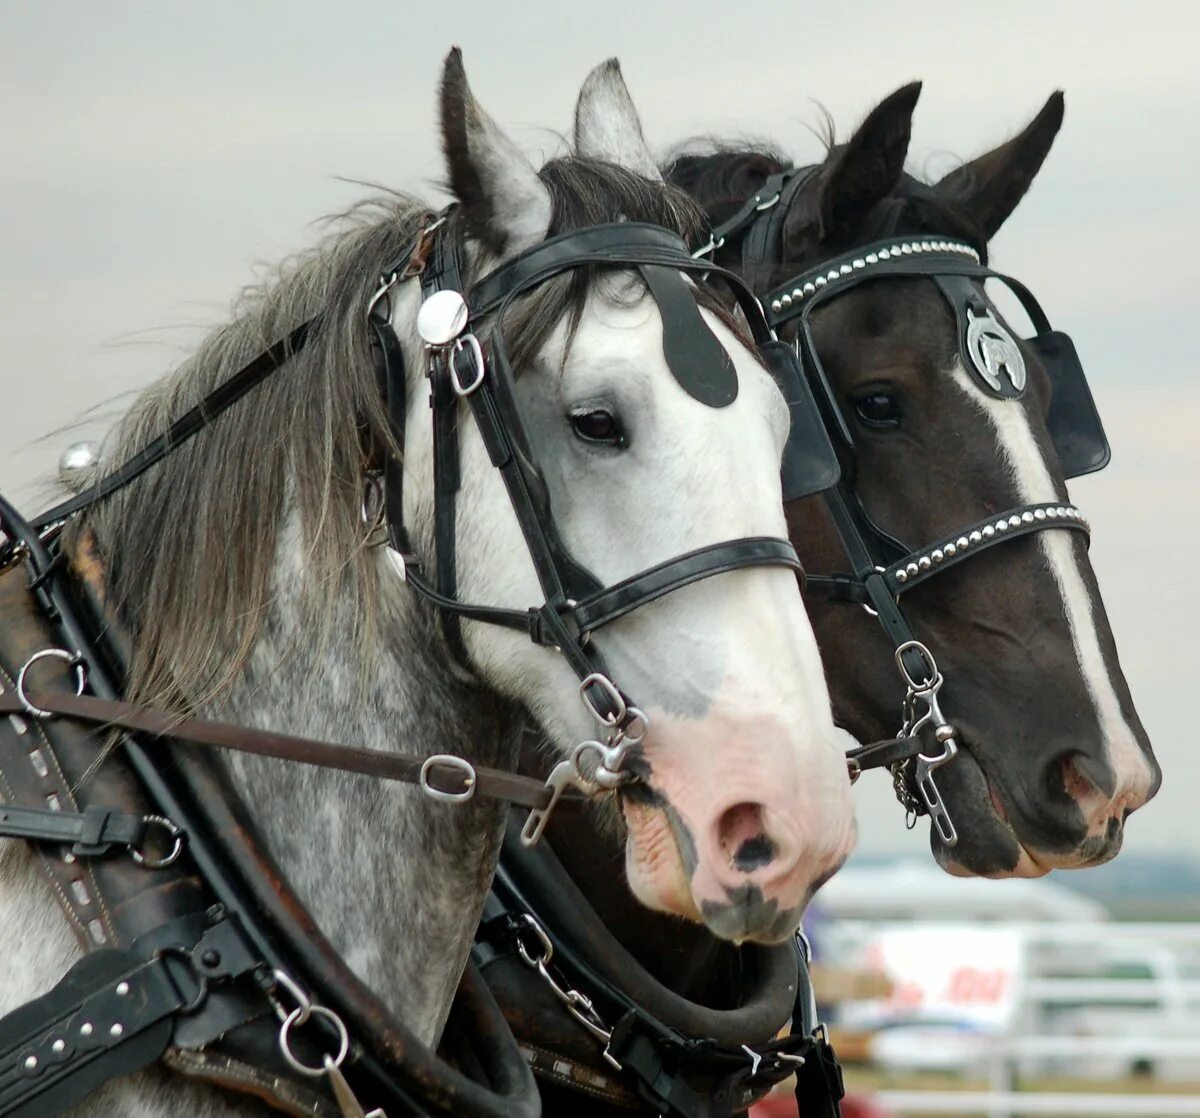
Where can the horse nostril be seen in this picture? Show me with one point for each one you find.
(743, 839)
(1083, 775)
(754, 853)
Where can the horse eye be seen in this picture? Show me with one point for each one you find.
(598, 426)
(878, 409)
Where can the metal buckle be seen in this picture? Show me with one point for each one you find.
(76, 661)
(467, 341)
(601, 681)
(448, 761)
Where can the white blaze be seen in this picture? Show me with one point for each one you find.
(1034, 484)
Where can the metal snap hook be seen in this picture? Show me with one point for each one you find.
(74, 659)
(543, 941)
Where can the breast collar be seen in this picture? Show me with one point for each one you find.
(883, 568)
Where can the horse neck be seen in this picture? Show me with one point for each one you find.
(395, 880)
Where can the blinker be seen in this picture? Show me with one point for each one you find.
(696, 358)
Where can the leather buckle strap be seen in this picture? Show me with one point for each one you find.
(91, 833)
(494, 783)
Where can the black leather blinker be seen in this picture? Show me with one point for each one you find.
(695, 356)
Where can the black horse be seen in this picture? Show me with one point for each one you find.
(1052, 756)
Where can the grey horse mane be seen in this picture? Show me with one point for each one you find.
(191, 546)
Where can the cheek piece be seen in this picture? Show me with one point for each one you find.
(883, 567)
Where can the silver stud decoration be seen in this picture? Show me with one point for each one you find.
(869, 260)
(953, 548)
(122, 989)
(86, 1029)
(59, 1046)
(442, 318)
(117, 1029)
(31, 1063)
(77, 459)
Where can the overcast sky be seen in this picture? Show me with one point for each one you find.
(151, 157)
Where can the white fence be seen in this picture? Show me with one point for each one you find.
(1066, 1015)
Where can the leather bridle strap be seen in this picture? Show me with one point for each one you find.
(615, 601)
(767, 197)
(189, 424)
(440, 776)
(919, 566)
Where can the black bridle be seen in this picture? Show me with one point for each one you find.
(883, 568)
(467, 364)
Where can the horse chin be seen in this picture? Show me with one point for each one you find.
(990, 846)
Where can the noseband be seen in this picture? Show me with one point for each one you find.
(883, 568)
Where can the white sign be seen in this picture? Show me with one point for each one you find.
(944, 972)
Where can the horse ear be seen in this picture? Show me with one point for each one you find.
(862, 172)
(505, 204)
(607, 126)
(990, 187)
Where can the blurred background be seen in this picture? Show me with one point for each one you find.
(153, 155)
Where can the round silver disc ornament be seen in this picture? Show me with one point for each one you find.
(993, 354)
(442, 317)
(77, 459)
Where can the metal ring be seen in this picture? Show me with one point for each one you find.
(285, 1046)
(76, 661)
(467, 341)
(142, 859)
(599, 679)
(543, 939)
(448, 761)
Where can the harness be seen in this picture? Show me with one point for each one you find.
(883, 568)
(217, 968)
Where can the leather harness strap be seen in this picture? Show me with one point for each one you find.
(450, 778)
